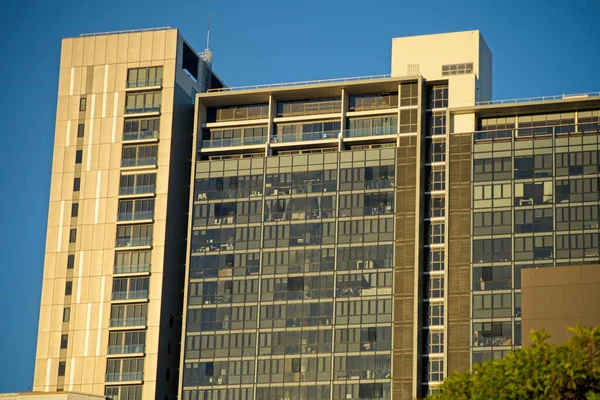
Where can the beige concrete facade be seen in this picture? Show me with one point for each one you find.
(49, 396)
(95, 68)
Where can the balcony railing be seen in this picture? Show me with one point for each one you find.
(140, 135)
(138, 162)
(130, 295)
(492, 341)
(143, 83)
(131, 269)
(142, 189)
(127, 349)
(352, 133)
(121, 322)
(144, 109)
(303, 137)
(124, 376)
(135, 216)
(233, 142)
(540, 98)
(538, 131)
(129, 242)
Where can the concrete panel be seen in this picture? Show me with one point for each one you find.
(89, 45)
(158, 45)
(134, 47)
(112, 44)
(77, 52)
(100, 50)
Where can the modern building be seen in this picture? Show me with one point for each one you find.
(356, 238)
(363, 238)
(110, 318)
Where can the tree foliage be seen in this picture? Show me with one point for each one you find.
(541, 371)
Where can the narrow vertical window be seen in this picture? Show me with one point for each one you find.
(82, 103)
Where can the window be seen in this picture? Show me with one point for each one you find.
(492, 222)
(436, 233)
(134, 235)
(142, 102)
(435, 259)
(168, 375)
(492, 278)
(123, 392)
(78, 156)
(138, 155)
(492, 169)
(435, 370)
(171, 320)
(169, 347)
(137, 184)
(61, 368)
(534, 248)
(80, 130)
(308, 107)
(131, 210)
(491, 250)
(537, 220)
(68, 288)
(372, 126)
(82, 103)
(74, 209)
(538, 166)
(64, 341)
(147, 76)
(437, 207)
(435, 342)
(373, 102)
(436, 123)
(437, 151)
(141, 128)
(437, 178)
(435, 286)
(457, 69)
(434, 315)
(500, 194)
(72, 235)
(76, 184)
(437, 96)
(66, 314)
(492, 305)
(70, 261)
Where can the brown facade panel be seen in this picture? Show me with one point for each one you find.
(459, 253)
(404, 270)
(559, 297)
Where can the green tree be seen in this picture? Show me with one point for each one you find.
(541, 371)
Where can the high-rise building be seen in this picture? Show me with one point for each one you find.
(354, 238)
(110, 317)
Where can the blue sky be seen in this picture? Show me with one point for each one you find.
(539, 48)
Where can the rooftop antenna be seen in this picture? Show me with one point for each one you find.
(206, 55)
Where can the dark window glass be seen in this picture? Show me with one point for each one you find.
(70, 261)
(80, 130)
(61, 368)
(78, 156)
(74, 209)
(68, 288)
(76, 184)
(64, 341)
(72, 235)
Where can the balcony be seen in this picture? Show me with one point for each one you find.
(138, 162)
(487, 341)
(123, 322)
(130, 242)
(135, 216)
(130, 295)
(131, 269)
(143, 109)
(211, 144)
(304, 137)
(143, 189)
(141, 135)
(354, 133)
(144, 83)
(127, 349)
(124, 376)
